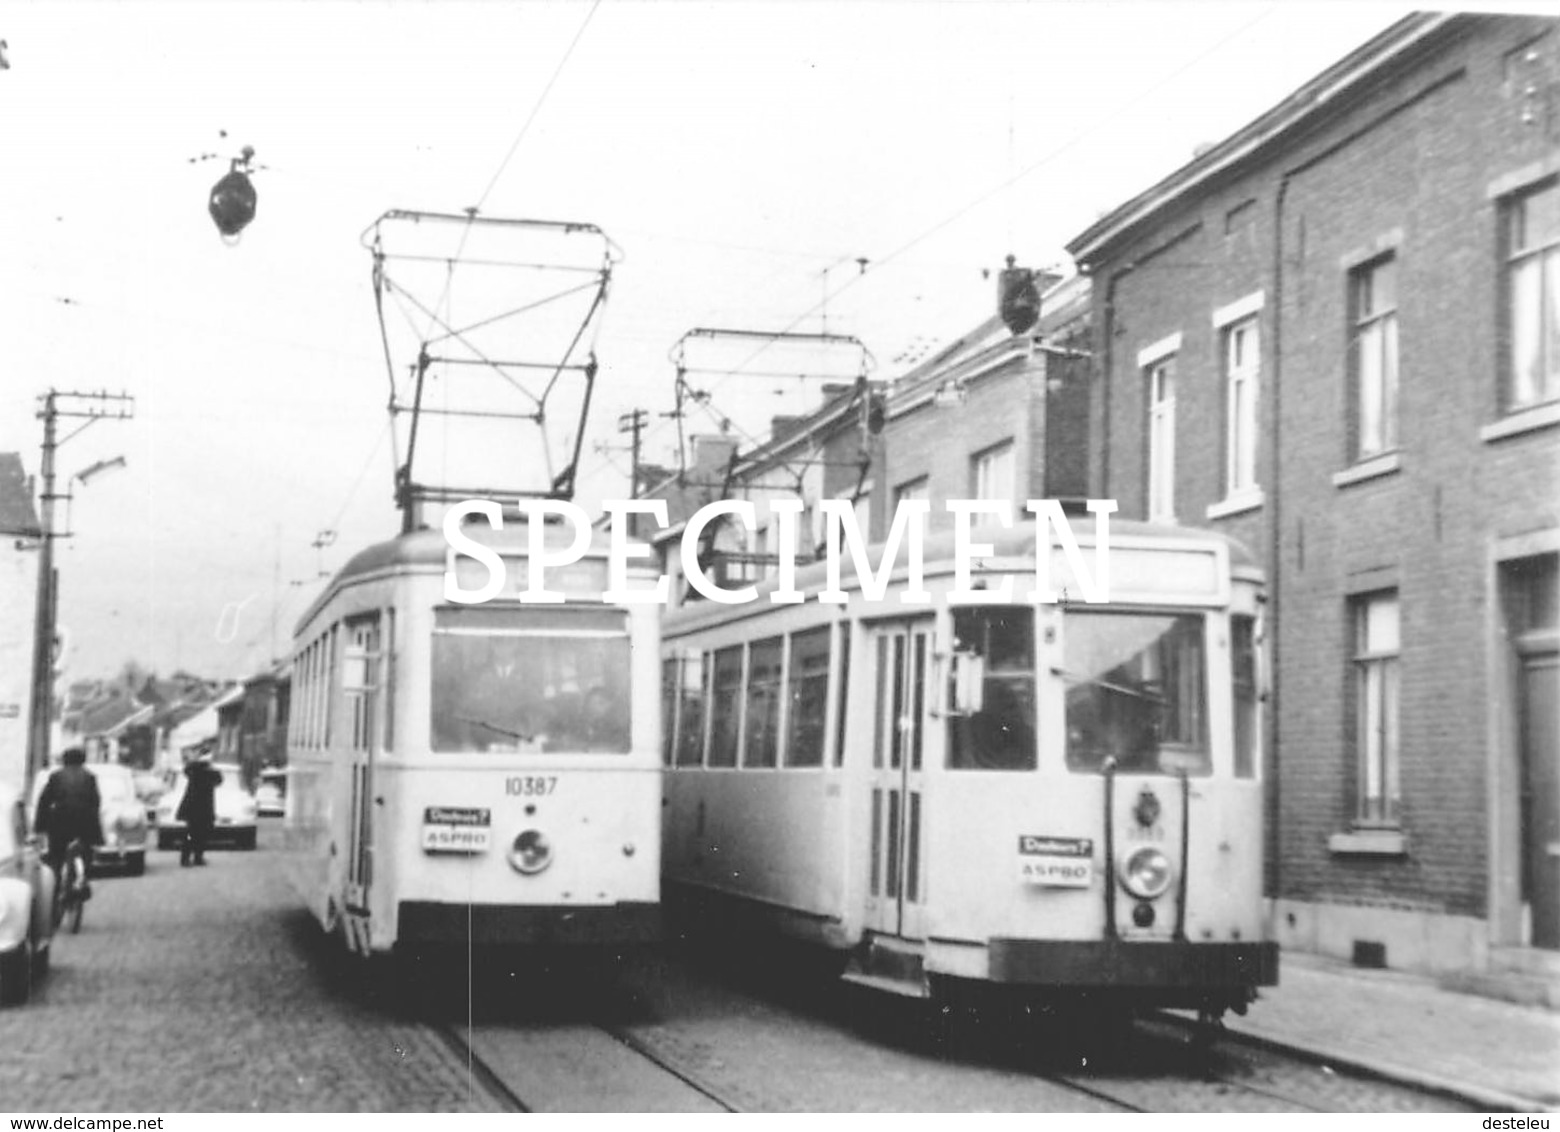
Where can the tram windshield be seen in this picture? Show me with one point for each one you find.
(525, 679)
(1136, 691)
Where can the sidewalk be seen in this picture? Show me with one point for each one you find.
(1406, 1027)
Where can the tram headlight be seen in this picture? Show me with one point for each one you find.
(1146, 873)
(531, 852)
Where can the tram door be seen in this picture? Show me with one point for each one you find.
(902, 652)
(361, 678)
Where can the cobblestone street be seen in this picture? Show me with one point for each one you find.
(208, 990)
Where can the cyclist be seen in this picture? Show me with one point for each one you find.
(69, 810)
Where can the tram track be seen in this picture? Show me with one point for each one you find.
(1337, 1063)
(686, 1038)
(581, 1067)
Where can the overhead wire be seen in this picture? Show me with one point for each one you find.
(1077, 137)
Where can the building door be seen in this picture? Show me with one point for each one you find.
(896, 882)
(1540, 694)
(1532, 596)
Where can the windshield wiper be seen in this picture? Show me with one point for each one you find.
(520, 735)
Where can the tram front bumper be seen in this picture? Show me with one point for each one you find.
(422, 921)
(1130, 965)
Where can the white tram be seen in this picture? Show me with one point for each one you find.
(474, 774)
(1064, 799)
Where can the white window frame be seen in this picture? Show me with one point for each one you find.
(1161, 440)
(1242, 375)
(989, 467)
(1374, 359)
(1377, 636)
(1162, 352)
(918, 488)
(1540, 261)
(1242, 418)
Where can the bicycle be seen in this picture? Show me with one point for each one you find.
(71, 891)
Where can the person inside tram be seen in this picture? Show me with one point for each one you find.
(490, 705)
(605, 720)
(1002, 731)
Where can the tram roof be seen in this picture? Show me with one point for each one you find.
(1006, 542)
(427, 549)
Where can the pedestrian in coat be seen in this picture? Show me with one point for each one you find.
(198, 809)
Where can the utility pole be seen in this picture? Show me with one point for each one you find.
(634, 424)
(89, 407)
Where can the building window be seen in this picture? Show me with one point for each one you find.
(1373, 309)
(1161, 441)
(991, 472)
(1376, 649)
(919, 488)
(1533, 297)
(1242, 361)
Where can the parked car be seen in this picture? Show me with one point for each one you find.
(150, 786)
(26, 903)
(237, 813)
(122, 813)
(271, 794)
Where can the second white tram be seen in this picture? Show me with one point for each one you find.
(474, 775)
(1062, 799)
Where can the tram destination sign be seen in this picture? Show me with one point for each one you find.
(456, 829)
(1057, 862)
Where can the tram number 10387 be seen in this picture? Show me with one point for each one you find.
(530, 785)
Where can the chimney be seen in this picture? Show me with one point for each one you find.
(712, 452)
(780, 425)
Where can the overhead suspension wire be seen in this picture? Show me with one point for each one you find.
(536, 109)
(1079, 136)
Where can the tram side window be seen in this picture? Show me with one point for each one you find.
(1136, 692)
(840, 699)
(726, 707)
(991, 694)
(808, 696)
(692, 694)
(1243, 663)
(762, 748)
(669, 668)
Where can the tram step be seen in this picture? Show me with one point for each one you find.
(906, 988)
(891, 964)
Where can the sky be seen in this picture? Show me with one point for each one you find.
(742, 157)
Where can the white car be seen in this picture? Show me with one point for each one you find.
(271, 794)
(26, 903)
(121, 813)
(237, 811)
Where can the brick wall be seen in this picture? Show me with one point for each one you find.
(1407, 167)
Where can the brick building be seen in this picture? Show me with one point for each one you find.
(993, 415)
(828, 453)
(1335, 335)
